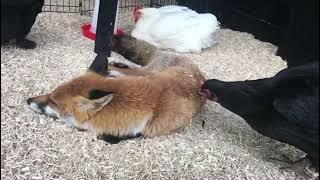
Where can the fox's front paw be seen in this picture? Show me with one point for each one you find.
(109, 139)
(119, 65)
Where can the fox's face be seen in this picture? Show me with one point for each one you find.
(76, 99)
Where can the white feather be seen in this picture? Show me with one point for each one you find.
(176, 27)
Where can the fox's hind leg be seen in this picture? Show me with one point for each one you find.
(166, 123)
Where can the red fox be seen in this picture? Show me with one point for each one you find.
(138, 101)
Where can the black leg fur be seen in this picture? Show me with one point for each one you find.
(116, 139)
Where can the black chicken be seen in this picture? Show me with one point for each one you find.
(284, 107)
(17, 19)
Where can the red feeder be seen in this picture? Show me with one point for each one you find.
(87, 33)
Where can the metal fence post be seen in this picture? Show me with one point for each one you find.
(104, 34)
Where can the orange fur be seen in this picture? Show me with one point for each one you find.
(157, 99)
(166, 101)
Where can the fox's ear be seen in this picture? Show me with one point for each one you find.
(95, 104)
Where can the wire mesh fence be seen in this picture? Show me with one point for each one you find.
(86, 6)
(68, 6)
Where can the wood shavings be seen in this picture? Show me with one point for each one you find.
(37, 147)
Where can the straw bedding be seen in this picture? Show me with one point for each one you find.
(34, 146)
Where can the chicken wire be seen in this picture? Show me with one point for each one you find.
(86, 6)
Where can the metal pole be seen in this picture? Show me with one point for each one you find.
(105, 29)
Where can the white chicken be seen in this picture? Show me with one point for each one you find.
(175, 27)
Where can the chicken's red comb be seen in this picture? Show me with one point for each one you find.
(136, 8)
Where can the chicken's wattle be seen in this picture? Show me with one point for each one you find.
(137, 13)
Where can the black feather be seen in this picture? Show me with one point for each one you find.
(284, 107)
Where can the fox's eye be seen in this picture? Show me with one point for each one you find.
(52, 101)
(96, 94)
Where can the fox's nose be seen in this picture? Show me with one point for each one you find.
(29, 100)
(35, 106)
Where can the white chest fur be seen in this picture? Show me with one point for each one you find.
(134, 130)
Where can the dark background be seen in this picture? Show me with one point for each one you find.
(293, 25)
